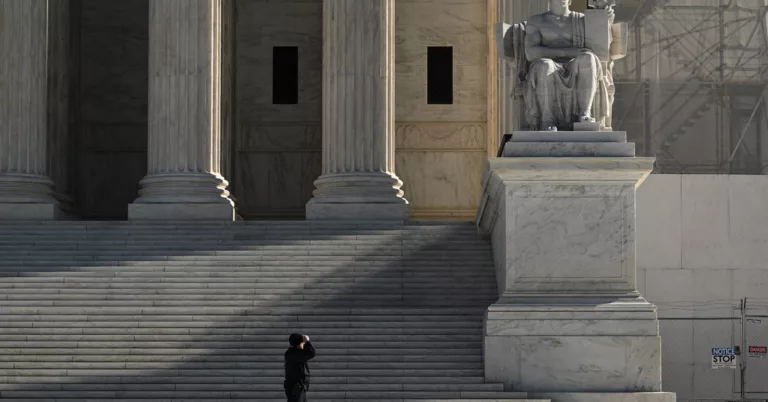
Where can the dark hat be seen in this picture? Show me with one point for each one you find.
(295, 339)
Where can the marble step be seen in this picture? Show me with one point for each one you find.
(306, 273)
(319, 313)
(182, 396)
(201, 324)
(265, 314)
(274, 314)
(239, 236)
(189, 350)
(307, 303)
(281, 400)
(264, 337)
(394, 262)
(228, 358)
(340, 302)
(180, 371)
(164, 378)
(261, 339)
(416, 333)
(287, 272)
(316, 386)
(287, 266)
(20, 295)
(257, 394)
(325, 250)
(202, 342)
(254, 288)
(290, 279)
(176, 242)
(275, 364)
(241, 225)
(412, 258)
(196, 289)
(224, 325)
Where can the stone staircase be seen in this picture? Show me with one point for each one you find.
(168, 311)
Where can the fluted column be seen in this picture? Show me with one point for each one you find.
(184, 180)
(358, 179)
(26, 191)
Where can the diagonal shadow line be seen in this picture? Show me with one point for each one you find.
(251, 367)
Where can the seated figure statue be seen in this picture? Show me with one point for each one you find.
(564, 81)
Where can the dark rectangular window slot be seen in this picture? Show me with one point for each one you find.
(440, 75)
(285, 75)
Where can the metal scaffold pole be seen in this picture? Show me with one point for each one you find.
(744, 354)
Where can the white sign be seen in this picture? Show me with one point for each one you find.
(724, 358)
(758, 352)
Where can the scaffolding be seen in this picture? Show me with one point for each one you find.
(691, 92)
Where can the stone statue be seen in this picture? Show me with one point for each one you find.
(565, 65)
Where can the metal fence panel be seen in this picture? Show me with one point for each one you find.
(686, 358)
(756, 375)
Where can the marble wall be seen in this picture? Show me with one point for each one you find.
(112, 120)
(442, 149)
(277, 147)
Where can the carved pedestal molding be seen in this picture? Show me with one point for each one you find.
(184, 180)
(358, 179)
(26, 191)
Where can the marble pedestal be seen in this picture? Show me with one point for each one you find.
(569, 320)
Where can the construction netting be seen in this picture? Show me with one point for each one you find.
(691, 92)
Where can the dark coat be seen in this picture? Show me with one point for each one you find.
(296, 366)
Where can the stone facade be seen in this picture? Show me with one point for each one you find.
(101, 142)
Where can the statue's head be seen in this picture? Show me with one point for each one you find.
(559, 7)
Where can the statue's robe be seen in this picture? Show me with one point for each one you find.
(555, 82)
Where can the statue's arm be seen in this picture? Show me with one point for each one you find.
(534, 50)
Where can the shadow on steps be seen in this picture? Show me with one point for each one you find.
(395, 311)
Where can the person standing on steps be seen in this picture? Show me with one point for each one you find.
(297, 375)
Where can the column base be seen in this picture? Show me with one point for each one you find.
(183, 196)
(320, 211)
(181, 211)
(22, 212)
(606, 396)
(358, 196)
